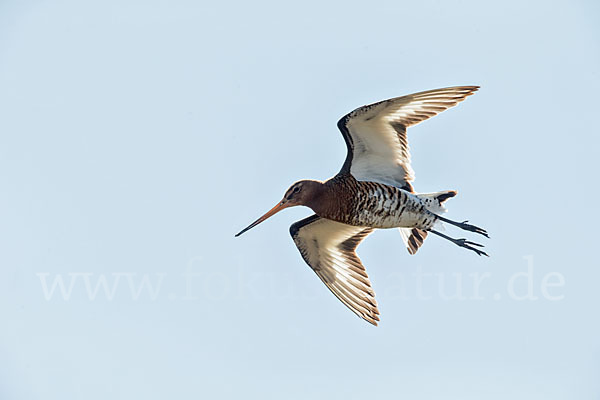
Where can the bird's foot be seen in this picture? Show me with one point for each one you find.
(472, 228)
(464, 225)
(469, 245)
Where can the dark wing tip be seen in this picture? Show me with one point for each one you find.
(373, 318)
(471, 89)
(467, 90)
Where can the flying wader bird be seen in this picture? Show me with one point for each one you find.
(373, 190)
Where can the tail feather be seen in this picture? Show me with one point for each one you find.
(413, 238)
(434, 202)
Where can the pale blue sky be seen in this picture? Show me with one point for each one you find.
(136, 138)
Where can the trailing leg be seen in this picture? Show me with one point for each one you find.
(465, 226)
(462, 243)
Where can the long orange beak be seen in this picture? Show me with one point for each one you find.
(280, 206)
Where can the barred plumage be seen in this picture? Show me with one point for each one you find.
(374, 205)
(372, 190)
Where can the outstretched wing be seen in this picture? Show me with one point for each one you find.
(376, 134)
(328, 247)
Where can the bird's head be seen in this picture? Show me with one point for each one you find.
(301, 193)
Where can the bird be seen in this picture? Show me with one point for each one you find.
(373, 190)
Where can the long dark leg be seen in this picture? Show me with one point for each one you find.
(465, 226)
(462, 243)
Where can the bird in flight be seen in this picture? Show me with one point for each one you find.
(373, 190)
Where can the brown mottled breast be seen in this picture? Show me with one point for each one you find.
(361, 203)
(337, 200)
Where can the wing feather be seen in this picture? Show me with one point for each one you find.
(328, 247)
(375, 134)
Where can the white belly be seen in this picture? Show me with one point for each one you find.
(389, 207)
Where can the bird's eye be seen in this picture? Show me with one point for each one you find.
(296, 189)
